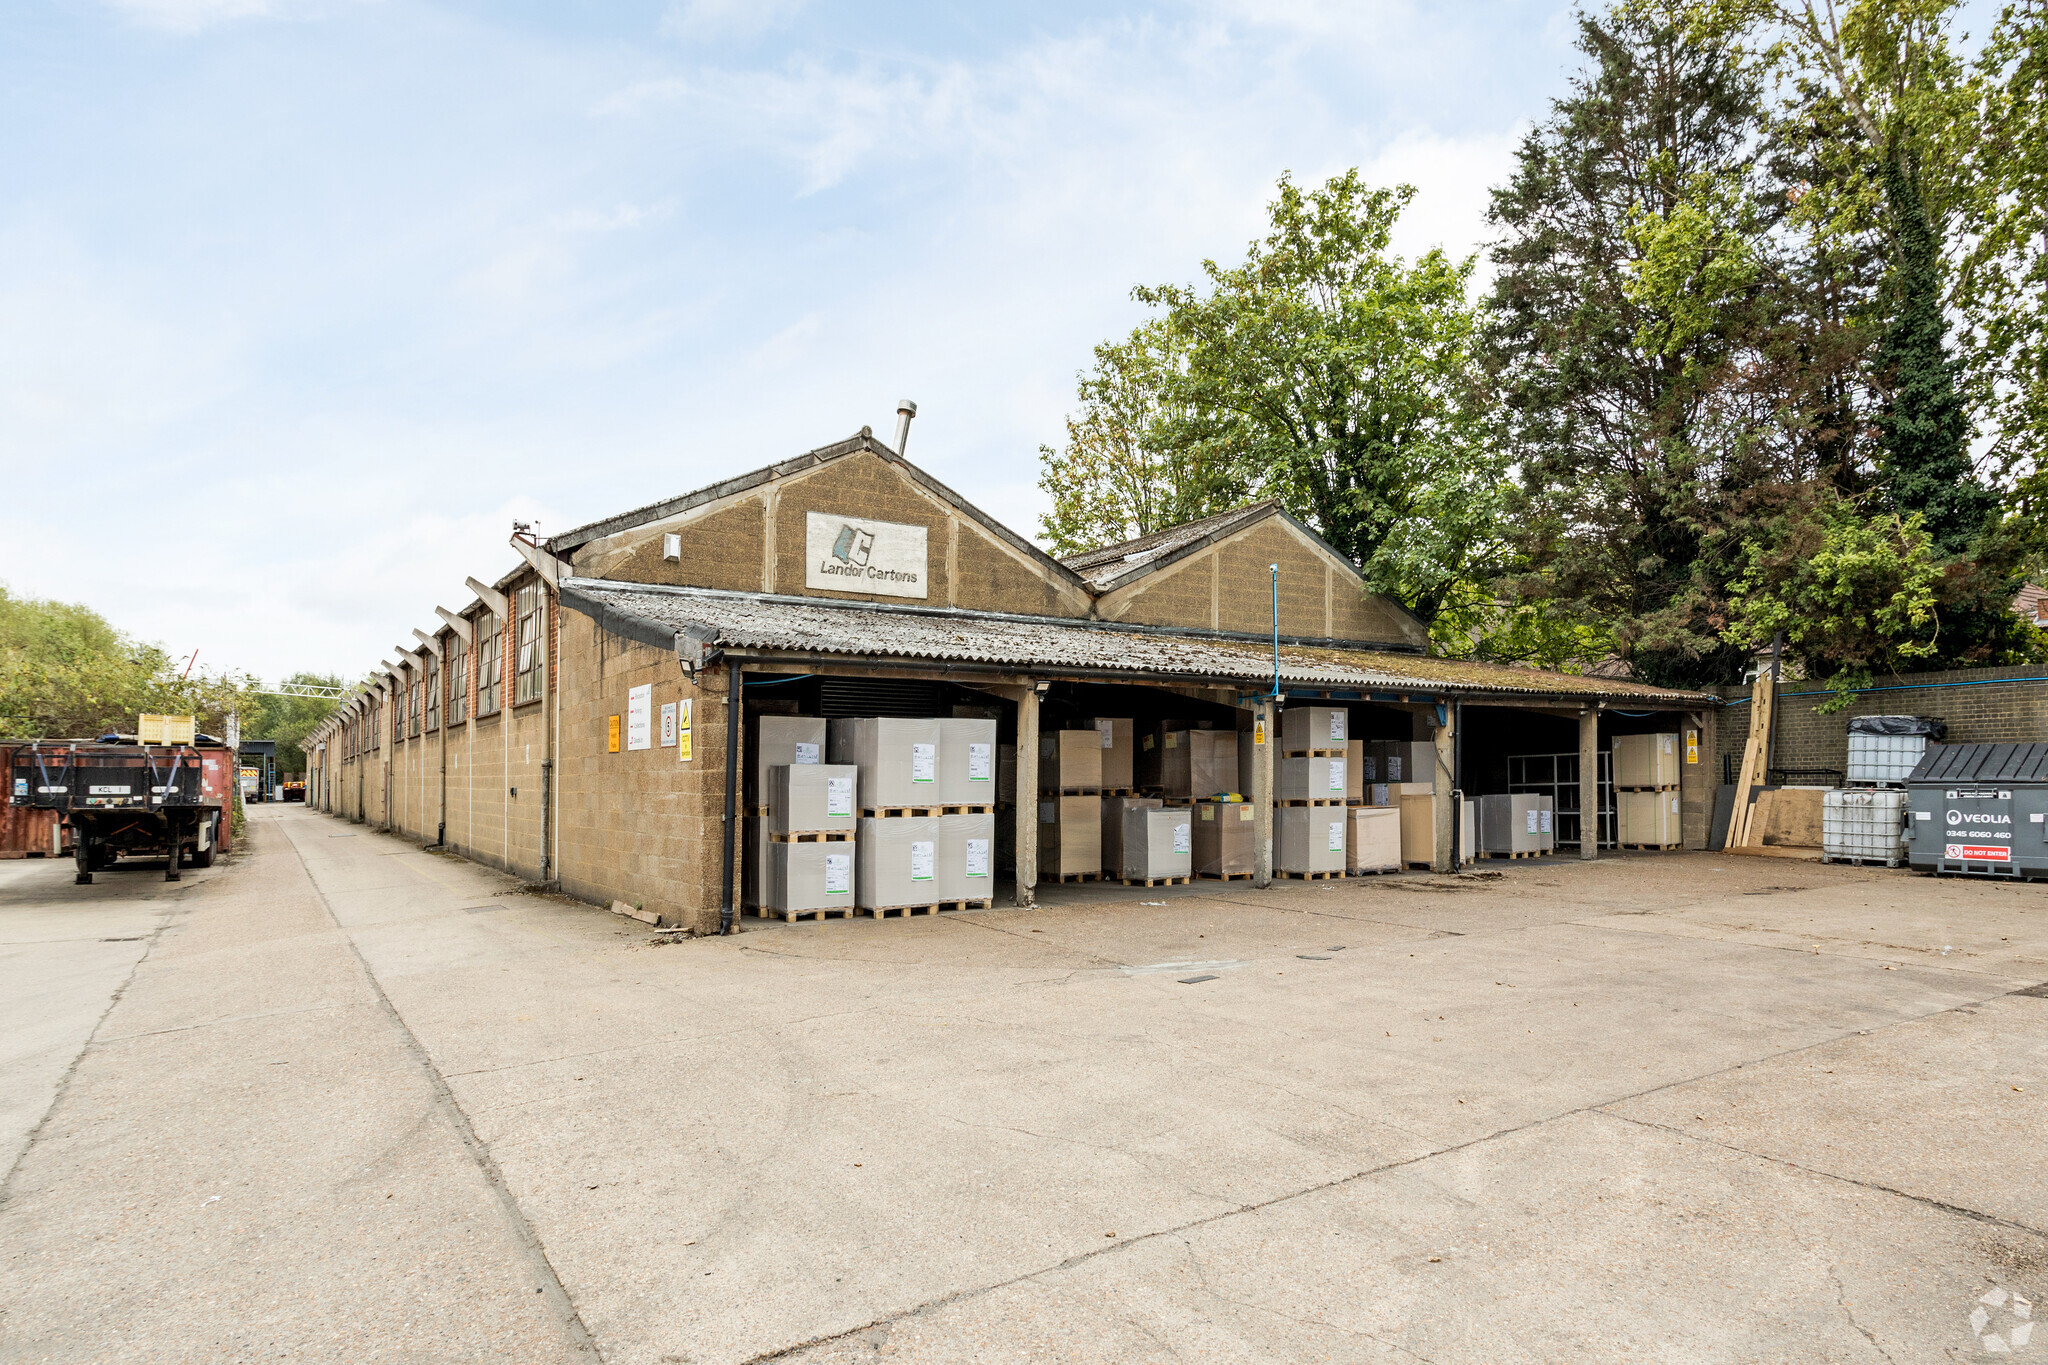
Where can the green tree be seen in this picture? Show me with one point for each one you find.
(65, 672)
(1323, 370)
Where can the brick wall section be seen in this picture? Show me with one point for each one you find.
(1998, 706)
(640, 826)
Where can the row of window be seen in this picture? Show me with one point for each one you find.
(419, 706)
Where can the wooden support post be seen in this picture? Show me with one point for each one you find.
(1027, 796)
(1265, 743)
(1589, 784)
(1755, 759)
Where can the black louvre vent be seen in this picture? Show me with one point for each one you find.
(879, 697)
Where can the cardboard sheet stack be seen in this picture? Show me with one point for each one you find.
(1374, 842)
(1189, 765)
(1070, 804)
(1158, 844)
(803, 816)
(926, 833)
(1113, 810)
(1515, 826)
(1309, 841)
(1224, 839)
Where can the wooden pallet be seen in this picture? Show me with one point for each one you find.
(1312, 801)
(895, 812)
(1312, 753)
(1309, 876)
(812, 836)
(792, 916)
(1848, 860)
(902, 911)
(970, 809)
(1070, 791)
(1420, 867)
(1154, 881)
(982, 904)
(1225, 876)
(1672, 787)
(1373, 871)
(1069, 876)
(1652, 848)
(1512, 855)
(1119, 791)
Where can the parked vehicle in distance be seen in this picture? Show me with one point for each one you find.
(124, 798)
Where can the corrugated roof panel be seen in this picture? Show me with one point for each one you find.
(754, 622)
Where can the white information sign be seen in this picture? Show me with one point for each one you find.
(854, 554)
(924, 763)
(1106, 729)
(921, 860)
(1336, 836)
(978, 762)
(838, 874)
(1544, 827)
(806, 752)
(1337, 724)
(1532, 822)
(977, 857)
(839, 796)
(1336, 774)
(1183, 834)
(640, 717)
(668, 724)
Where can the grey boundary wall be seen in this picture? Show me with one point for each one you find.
(1981, 706)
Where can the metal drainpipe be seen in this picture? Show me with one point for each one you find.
(732, 788)
(1457, 784)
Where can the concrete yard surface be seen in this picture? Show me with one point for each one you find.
(342, 1099)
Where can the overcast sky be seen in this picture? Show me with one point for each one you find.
(302, 304)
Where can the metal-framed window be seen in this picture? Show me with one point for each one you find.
(490, 639)
(532, 613)
(433, 666)
(458, 681)
(416, 701)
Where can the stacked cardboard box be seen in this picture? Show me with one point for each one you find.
(966, 853)
(1070, 835)
(1309, 839)
(1197, 763)
(897, 862)
(777, 741)
(1648, 762)
(1314, 779)
(1225, 834)
(810, 876)
(898, 759)
(1158, 843)
(967, 762)
(1314, 729)
(1070, 761)
(1117, 736)
(1375, 840)
(1647, 818)
(813, 798)
(1513, 825)
(1113, 808)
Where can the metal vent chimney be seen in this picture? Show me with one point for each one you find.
(905, 410)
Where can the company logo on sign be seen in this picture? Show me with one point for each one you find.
(1956, 817)
(850, 554)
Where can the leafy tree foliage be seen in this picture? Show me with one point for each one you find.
(1322, 370)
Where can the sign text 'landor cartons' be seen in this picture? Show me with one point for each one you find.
(1158, 842)
(810, 876)
(967, 857)
(1069, 759)
(1310, 838)
(898, 759)
(967, 762)
(897, 861)
(1225, 837)
(813, 798)
(1070, 835)
(1375, 842)
(1113, 808)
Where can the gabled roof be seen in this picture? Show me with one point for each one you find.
(1103, 567)
(568, 542)
(714, 620)
(1111, 567)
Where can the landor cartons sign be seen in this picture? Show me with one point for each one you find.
(852, 554)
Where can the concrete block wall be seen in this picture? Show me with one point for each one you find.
(640, 826)
(1981, 706)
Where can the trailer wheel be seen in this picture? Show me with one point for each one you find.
(81, 853)
(203, 857)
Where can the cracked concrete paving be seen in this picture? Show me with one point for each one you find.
(1677, 1107)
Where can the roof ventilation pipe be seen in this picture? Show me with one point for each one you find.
(905, 410)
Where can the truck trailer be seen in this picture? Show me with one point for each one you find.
(120, 797)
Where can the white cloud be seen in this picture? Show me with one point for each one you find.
(711, 19)
(189, 16)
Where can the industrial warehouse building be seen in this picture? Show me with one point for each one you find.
(584, 720)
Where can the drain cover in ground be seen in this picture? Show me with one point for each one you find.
(1196, 980)
(1313, 957)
